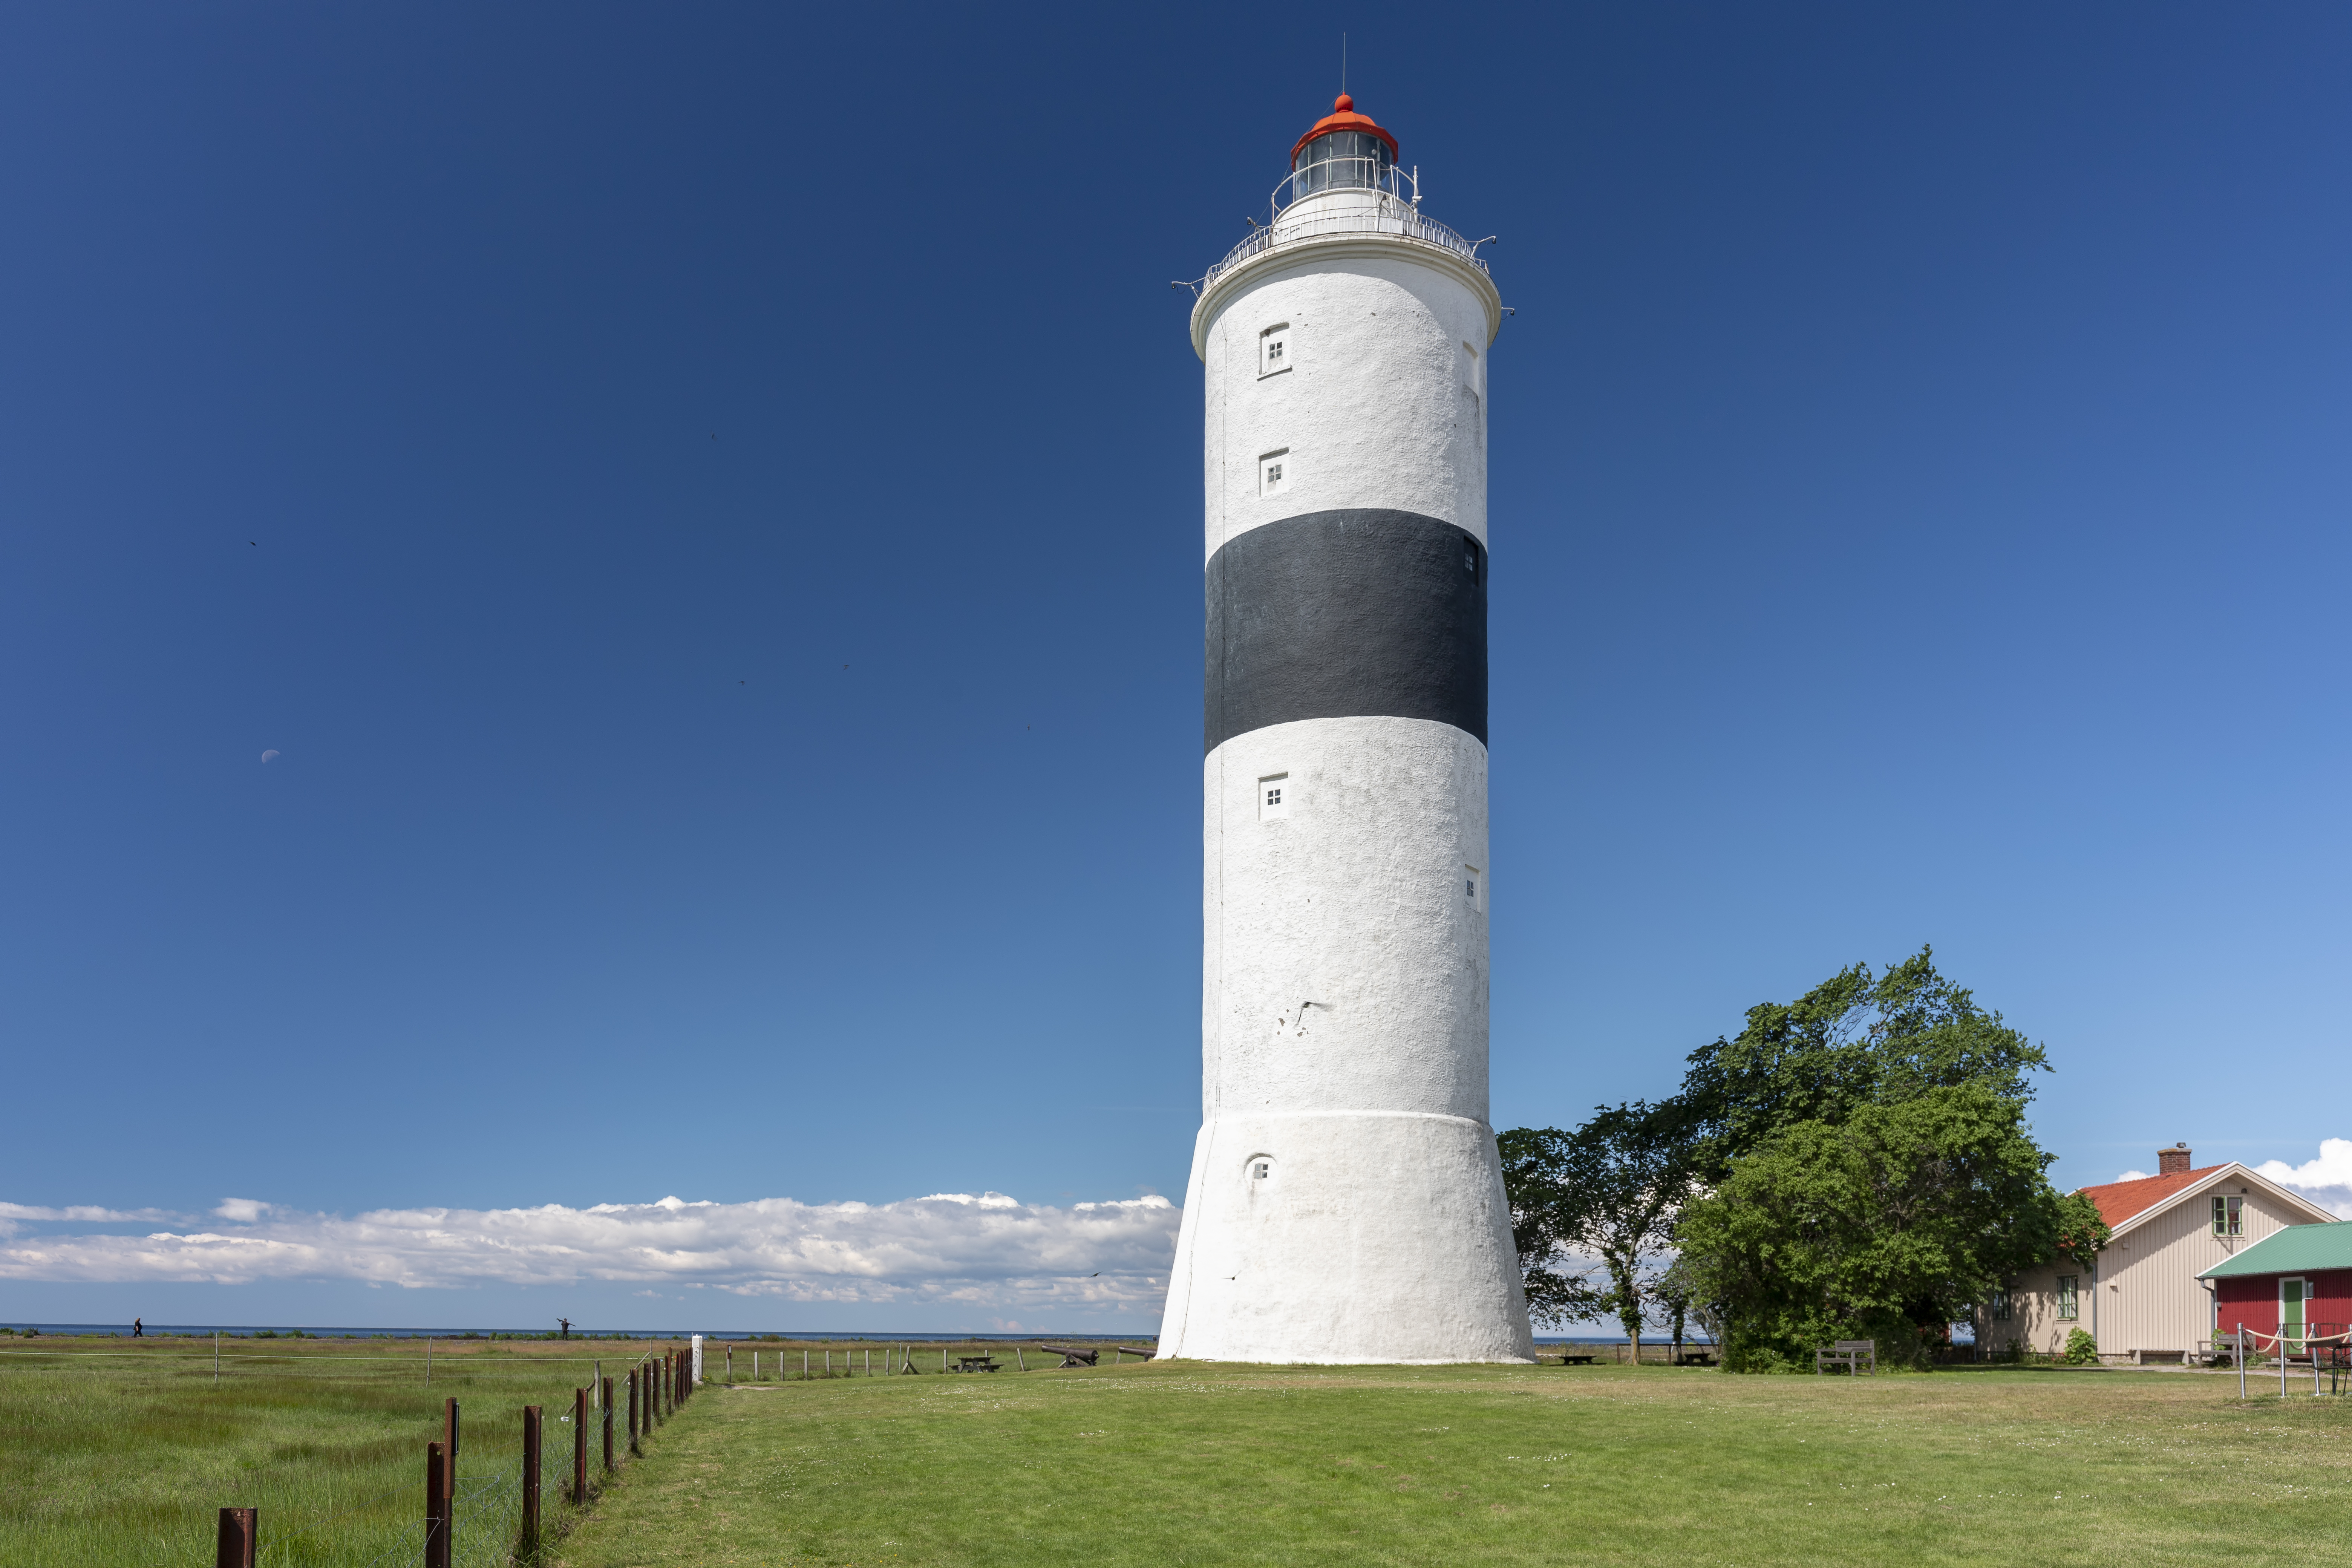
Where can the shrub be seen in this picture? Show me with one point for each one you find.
(2082, 1349)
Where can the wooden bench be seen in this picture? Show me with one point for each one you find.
(1576, 1361)
(1694, 1358)
(1072, 1355)
(1856, 1356)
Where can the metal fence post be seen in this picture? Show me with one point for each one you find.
(437, 1508)
(531, 1459)
(240, 1537)
(578, 1446)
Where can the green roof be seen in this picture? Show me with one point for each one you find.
(2294, 1250)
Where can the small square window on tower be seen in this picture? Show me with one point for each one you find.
(1274, 351)
(1274, 473)
(1474, 887)
(1274, 797)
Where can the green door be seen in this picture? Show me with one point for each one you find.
(2291, 1313)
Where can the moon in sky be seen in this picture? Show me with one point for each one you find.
(266, 756)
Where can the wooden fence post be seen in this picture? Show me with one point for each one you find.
(608, 1425)
(437, 1508)
(531, 1460)
(578, 1446)
(240, 1537)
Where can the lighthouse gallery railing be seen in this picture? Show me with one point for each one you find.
(1397, 211)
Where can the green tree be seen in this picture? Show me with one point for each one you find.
(1856, 1040)
(1607, 1192)
(1887, 1223)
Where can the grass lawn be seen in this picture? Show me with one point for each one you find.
(1196, 1463)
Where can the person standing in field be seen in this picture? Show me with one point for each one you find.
(138, 1328)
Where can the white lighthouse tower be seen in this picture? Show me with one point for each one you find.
(1346, 1202)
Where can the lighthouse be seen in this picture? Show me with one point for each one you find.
(1346, 1202)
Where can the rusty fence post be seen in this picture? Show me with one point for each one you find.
(578, 1446)
(240, 1537)
(608, 1426)
(437, 1508)
(533, 1457)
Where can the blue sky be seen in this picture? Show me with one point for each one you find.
(703, 503)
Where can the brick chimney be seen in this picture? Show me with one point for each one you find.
(2173, 1160)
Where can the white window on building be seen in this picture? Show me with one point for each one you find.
(2070, 1300)
(2229, 1216)
(1274, 349)
(1274, 473)
(1473, 884)
(1274, 797)
(2000, 1305)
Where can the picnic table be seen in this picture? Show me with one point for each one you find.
(977, 1364)
(1696, 1358)
(1856, 1356)
(1575, 1360)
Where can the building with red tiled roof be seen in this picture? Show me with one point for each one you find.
(2142, 1299)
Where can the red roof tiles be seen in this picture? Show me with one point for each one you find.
(2118, 1201)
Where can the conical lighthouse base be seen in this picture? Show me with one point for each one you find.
(1345, 1238)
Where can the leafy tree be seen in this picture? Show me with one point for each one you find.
(1854, 1040)
(2082, 1233)
(1887, 1223)
(1608, 1192)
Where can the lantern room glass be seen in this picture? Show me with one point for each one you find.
(1340, 160)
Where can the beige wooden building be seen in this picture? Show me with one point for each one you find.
(2142, 1300)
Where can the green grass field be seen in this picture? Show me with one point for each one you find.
(1194, 1464)
(122, 1453)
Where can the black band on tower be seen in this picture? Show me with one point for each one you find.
(1342, 615)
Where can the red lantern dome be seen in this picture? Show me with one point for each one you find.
(1343, 117)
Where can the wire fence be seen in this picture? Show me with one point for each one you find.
(499, 1510)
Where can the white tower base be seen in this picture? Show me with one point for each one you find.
(1378, 1236)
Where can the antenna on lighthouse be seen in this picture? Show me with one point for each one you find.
(1343, 62)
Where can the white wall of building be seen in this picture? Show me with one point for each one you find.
(1383, 404)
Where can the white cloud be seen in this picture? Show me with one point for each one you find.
(2325, 1181)
(983, 1250)
(2132, 1176)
